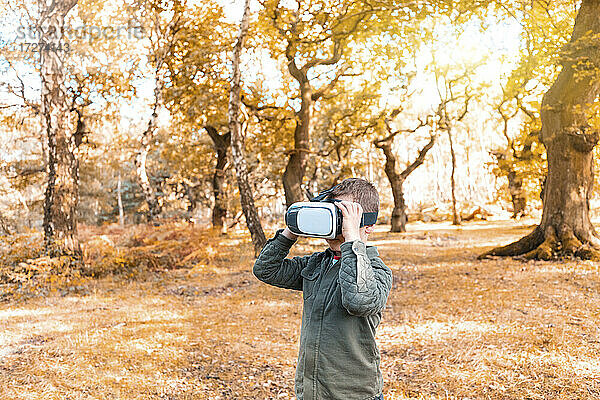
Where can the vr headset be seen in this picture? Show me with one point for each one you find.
(320, 217)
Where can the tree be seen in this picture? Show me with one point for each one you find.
(399, 218)
(162, 38)
(447, 119)
(544, 31)
(59, 122)
(237, 145)
(316, 39)
(518, 160)
(197, 96)
(94, 84)
(569, 139)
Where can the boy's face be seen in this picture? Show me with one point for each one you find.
(334, 244)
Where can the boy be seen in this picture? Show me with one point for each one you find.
(345, 288)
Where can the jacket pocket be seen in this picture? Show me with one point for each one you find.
(309, 281)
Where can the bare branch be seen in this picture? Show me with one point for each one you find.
(420, 158)
(317, 94)
(27, 172)
(35, 107)
(392, 134)
(466, 109)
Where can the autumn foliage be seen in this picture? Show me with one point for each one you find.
(124, 252)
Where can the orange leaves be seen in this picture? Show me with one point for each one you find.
(147, 249)
(24, 272)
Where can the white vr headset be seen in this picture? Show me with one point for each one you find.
(320, 217)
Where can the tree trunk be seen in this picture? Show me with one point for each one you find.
(237, 146)
(120, 201)
(221, 143)
(565, 228)
(296, 166)
(515, 182)
(58, 123)
(455, 215)
(154, 207)
(189, 191)
(517, 194)
(399, 218)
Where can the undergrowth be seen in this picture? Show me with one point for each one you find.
(130, 252)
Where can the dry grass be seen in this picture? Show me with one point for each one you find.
(204, 328)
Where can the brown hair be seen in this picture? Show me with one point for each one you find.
(362, 192)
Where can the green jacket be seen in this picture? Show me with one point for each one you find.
(343, 300)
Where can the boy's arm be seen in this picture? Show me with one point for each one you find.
(365, 283)
(274, 268)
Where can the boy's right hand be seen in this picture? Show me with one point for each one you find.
(288, 234)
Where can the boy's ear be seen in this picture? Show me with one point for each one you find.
(369, 229)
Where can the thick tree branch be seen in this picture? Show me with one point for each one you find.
(337, 55)
(255, 109)
(220, 141)
(419, 160)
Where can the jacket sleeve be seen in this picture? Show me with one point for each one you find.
(365, 282)
(274, 268)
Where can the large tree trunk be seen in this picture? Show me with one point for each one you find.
(296, 166)
(399, 217)
(221, 143)
(565, 228)
(237, 146)
(58, 123)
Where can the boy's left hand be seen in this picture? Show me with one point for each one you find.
(352, 213)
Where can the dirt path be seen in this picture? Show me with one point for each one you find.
(454, 328)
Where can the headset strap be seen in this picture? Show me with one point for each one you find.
(323, 195)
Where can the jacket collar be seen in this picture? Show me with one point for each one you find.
(371, 252)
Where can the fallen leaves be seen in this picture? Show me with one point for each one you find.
(204, 328)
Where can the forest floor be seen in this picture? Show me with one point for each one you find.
(454, 327)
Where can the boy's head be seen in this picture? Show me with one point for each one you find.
(359, 191)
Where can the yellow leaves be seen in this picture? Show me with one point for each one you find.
(24, 272)
(120, 260)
